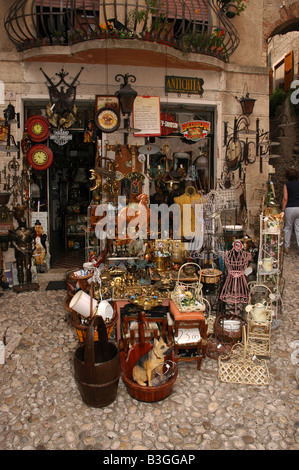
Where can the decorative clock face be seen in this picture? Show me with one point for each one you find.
(40, 157)
(38, 128)
(107, 120)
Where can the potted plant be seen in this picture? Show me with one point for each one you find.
(204, 41)
(234, 7)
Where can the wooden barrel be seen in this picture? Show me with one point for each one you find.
(97, 367)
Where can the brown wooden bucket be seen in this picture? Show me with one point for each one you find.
(97, 367)
(139, 392)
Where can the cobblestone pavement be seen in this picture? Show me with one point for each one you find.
(41, 408)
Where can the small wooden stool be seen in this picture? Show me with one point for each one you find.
(195, 326)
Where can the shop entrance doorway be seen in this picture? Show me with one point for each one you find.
(60, 195)
(69, 198)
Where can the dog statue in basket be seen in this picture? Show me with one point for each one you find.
(144, 367)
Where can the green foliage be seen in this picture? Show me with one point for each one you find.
(276, 99)
(240, 4)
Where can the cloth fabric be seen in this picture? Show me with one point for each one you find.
(177, 315)
(291, 219)
(291, 213)
(293, 193)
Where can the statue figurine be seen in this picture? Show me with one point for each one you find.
(90, 133)
(40, 247)
(22, 241)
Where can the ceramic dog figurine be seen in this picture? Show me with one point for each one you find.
(143, 369)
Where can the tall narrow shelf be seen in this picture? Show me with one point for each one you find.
(75, 230)
(270, 261)
(93, 245)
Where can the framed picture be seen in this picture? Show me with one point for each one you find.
(104, 101)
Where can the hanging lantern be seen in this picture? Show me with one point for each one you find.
(126, 95)
(247, 104)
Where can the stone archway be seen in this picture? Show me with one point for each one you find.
(281, 19)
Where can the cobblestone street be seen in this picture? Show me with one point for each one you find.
(41, 408)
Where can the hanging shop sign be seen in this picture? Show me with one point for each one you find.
(189, 85)
(147, 116)
(106, 101)
(61, 136)
(195, 130)
(168, 124)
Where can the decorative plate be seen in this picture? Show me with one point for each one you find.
(107, 119)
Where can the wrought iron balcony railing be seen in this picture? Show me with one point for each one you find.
(198, 26)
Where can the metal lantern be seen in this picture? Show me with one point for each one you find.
(247, 104)
(126, 95)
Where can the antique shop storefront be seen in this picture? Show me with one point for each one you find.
(136, 159)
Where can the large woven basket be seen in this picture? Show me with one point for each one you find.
(240, 367)
(81, 329)
(210, 275)
(188, 290)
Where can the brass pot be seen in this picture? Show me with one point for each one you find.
(160, 263)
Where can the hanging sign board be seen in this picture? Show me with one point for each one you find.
(146, 116)
(168, 124)
(195, 130)
(189, 85)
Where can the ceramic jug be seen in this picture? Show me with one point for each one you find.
(259, 312)
(267, 264)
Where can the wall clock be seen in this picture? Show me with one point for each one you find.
(38, 128)
(107, 119)
(40, 157)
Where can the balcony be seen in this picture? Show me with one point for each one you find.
(189, 26)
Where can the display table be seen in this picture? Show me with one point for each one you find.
(189, 332)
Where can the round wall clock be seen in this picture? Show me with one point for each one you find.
(40, 157)
(38, 128)
(107, 119)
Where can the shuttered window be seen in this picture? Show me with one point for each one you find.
(271, 81)
(288, 70)
(191, 10)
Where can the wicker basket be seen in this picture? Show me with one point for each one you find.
(81, 329)
(187, 296)
(210, 276)
(239, 367)
(82, 280)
